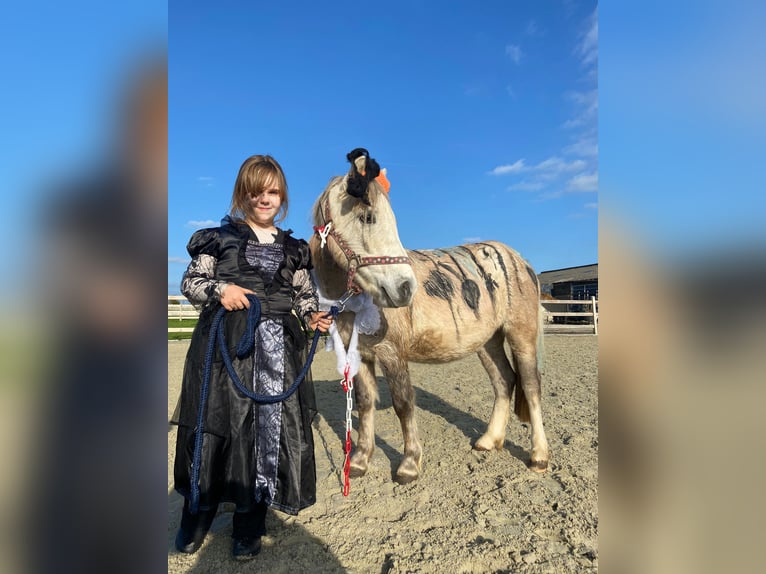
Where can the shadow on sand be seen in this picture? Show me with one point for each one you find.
(328, 406)
(287, 547)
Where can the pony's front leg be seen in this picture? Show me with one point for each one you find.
(366, 393)
(403, 396)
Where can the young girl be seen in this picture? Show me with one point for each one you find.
(254, 455)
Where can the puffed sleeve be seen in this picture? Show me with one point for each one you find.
(199, 284)
(305, 255)
(204, 241)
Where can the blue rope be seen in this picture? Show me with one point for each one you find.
(244, 347)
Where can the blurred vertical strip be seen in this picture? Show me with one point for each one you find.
(682, 135)
(82, 338)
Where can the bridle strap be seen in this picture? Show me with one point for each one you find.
(354, 260)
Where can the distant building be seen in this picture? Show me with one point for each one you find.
(570, 283)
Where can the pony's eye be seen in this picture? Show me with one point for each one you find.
(368, 218)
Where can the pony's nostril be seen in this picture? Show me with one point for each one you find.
(405, 290)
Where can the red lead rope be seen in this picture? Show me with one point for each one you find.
(348, 386)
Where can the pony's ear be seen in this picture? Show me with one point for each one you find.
(360, 164)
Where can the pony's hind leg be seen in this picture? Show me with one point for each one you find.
(503, 379)
(403, 396)
(530, 410)
(366, 393)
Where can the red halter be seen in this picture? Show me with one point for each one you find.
(354, 260)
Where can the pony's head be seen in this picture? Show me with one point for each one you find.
(356, 245)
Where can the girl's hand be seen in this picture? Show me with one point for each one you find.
(233, 297)
(320, 320)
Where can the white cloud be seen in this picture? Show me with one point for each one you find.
(509, 168)
(553, 166)
(542, 173)
(471, 239)
(587, 49)
(587, 105)
(550, 195)
(527, 186)
(583, 182)
(509, 91)
(201, 224)
(178, 260)
(586, 146)
(532, 29)
(592, 205)
(514, 52)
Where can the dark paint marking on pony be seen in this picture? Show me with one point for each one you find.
(471, 295)
(489, 282)
(501, 263)
(470, 290)
(533, 276)
(439, 285)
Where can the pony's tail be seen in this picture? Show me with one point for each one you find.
(520, 404)
(540, 339)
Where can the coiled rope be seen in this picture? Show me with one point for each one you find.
(244, 347)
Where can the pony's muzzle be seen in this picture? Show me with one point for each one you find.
(399, 294)
(405, 291)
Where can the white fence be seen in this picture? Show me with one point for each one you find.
(180, 308)
(563, 308)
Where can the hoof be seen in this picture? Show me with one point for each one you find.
(405, 478)
(359, 464)
(407, 472)
(538, 465)
(486, 443)
(357, 471)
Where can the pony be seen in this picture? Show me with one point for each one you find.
(436, 306)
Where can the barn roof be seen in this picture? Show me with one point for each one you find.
(580, 273)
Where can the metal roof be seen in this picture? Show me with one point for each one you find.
(581, 273)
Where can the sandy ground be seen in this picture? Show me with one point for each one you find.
(469, 511)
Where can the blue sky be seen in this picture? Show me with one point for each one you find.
(65, 68)
(437, 96)
(682, 125)
(484, 113)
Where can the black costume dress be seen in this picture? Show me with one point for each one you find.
(251, 453)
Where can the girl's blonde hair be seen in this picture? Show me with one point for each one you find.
(258, 173)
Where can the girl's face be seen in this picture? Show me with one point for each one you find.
(265, 206)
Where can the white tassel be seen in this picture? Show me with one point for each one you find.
(366, 322)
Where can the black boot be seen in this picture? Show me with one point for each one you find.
(248, 527)
(193, 528)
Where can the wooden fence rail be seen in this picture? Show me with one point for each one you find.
(179, 308)
(561, 308)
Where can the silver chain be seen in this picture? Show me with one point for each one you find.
(349, 404)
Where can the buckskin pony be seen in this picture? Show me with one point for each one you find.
(436, 306)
